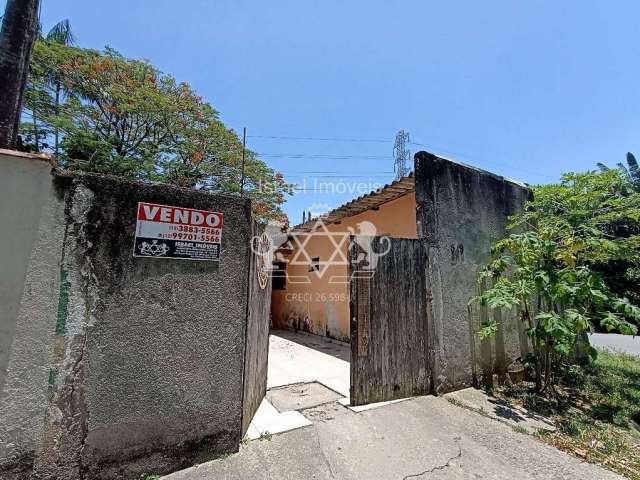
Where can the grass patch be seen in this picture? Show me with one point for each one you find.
(519, 429)
(591, 408)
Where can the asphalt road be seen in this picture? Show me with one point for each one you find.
(615, 342)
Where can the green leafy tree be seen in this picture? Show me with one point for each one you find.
(34, 132)
(631, 170)
(61, 34)
(623, 274)
(125, 117)
(550, 268)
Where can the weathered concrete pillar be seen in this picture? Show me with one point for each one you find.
(462, 212)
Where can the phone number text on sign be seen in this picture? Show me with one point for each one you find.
(187, 232)
(163, 231)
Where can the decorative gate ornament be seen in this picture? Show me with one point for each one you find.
(262, 249)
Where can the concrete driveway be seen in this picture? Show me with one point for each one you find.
(304, 370)
(420, 438)
(301, 357)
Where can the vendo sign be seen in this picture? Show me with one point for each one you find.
(174, 232)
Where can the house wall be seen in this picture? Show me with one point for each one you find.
(320, 305)
(30, 245)
(462, 212)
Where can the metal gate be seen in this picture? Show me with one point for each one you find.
(389, 325)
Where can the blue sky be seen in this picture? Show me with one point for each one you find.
(526, 89)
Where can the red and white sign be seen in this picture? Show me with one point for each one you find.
(163, 231)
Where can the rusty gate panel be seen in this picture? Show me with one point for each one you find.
(389, 334)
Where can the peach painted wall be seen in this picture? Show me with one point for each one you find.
(321, 305)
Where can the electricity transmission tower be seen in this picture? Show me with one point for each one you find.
(401, 154)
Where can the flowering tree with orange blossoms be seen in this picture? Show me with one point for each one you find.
(125, 117)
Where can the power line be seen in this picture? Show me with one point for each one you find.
(334, 172)
(328, 156)
(472, 159)
(337, 176)
(322, 139)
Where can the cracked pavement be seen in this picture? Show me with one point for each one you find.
(422, 438)
(437, 467)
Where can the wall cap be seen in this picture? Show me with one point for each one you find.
(424, 155)
(80, 176)
(32, 156)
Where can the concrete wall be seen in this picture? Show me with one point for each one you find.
(30, 247)
(462, 211)
(152, 362)
(115, 366)
(321, 304)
